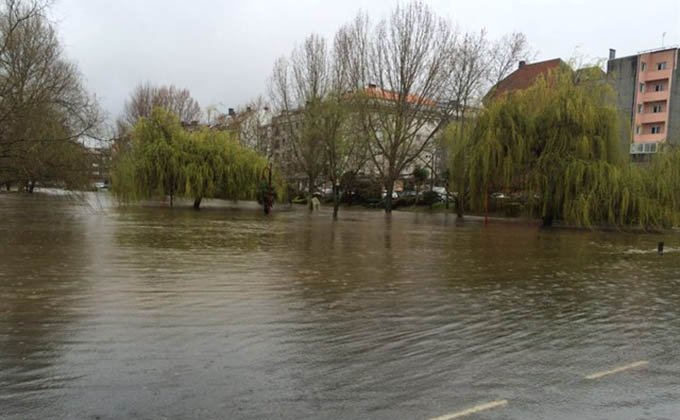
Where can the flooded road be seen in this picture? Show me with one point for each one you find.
(153, 313)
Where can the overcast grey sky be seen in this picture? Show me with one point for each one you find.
(223, 51)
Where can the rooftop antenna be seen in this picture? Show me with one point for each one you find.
(663, 39)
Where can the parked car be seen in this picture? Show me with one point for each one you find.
(408, 193)
(394, 194)
(440, 190)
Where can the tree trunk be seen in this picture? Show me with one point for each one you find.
(460, 204)
(310, 186)
(349, 189)
(336, 200)
(548, 216)
(388, 195)
(31, 186)
(171, 203)
(446, 199)
(197, 203)
(8, 186)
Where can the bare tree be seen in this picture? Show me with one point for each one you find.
(351, 52)
(469, 72)
(405, 107)
(44, 109)
(297, 87)
(146, 97)
(504, 55)
(252, 121)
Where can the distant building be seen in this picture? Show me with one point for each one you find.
(648, 96)
(284, 126)
(525, 76)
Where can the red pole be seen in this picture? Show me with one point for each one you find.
(486, 208)
(270, 199)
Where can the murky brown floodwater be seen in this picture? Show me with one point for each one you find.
(152, 313)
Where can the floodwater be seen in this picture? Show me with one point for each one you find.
(155, 313)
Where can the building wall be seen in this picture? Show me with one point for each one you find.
(648, 78)
(674, 106)
(626, 75)
(622, 73)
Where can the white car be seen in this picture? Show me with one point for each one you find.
(440, 190)
(394, 194)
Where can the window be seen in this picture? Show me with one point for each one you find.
(657, 108)
(642, 87)
(643, 67)
(659, 87)
(656, 129)
(637, 129)
(661, 66)
(640, 108)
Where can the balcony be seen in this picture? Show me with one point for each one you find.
(651, 117)
(654, 96)
(652, 75)
(645, 138)
(644, 148)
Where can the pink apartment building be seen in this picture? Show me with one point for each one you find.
(647, 94)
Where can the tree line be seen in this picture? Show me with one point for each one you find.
(381, 93)
(373, 100)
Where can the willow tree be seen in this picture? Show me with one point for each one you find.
(456, 139)
(557, 145)
(655, 190)
(152, 166)
(164, 160)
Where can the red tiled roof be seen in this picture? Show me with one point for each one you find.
(524, 77)
(394, 96)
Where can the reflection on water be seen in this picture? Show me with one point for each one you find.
(158, 313)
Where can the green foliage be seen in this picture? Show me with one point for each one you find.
(166, 160)
(361, 189)
(557, 144)
(429, 198)
(420, 175)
